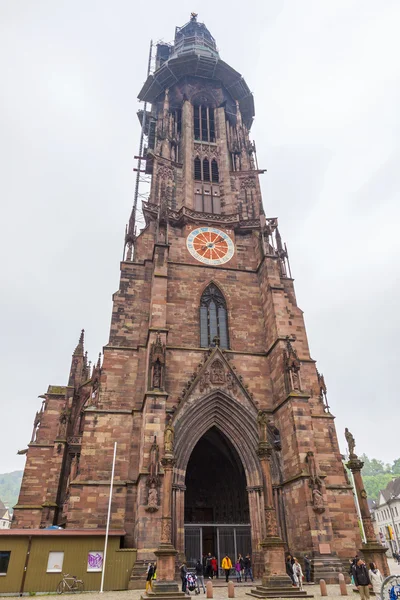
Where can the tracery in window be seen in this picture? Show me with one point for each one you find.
(213, 318)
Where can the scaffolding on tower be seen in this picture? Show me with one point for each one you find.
(143, 175)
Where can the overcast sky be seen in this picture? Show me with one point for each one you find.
(325, 76)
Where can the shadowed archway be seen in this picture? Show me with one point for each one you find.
(230, 427)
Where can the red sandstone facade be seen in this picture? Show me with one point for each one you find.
(159, 388)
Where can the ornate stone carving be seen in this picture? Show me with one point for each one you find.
(166, 530)
(165, 172)
(204, 382)
(292, 365)
(322, 390)
(217, 373)
(231, 382)
(270, 522)
(318, 501)
(247, 182)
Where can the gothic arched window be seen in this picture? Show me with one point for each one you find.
(214, 171)
(206, 170)
(197, 168)
(213, 318)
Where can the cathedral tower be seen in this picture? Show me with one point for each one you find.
(207, 384)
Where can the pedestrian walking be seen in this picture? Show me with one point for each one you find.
(247, 568)
(376, 579)
(361, 579)
(289, 568)
(149, 576)
(241, 560)
(226, 566)
(238, 571)
(298, 574)
(214, 567)
(184, 578)
(307, 568)
(209, 572)
(200, 577)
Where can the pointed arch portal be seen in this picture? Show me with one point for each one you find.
(218, 498)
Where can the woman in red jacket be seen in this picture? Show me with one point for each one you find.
(214, 567)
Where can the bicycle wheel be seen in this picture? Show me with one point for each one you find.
(61, 587)
(79, 586)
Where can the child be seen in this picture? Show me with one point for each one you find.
(238, 569)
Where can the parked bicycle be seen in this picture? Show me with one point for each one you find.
(70, 583)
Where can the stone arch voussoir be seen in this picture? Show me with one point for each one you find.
(238, 422)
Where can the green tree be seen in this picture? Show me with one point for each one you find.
(373, 466)
(396, 466)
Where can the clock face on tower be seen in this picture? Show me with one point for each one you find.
(210, 246)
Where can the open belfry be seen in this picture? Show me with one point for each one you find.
(226, 443)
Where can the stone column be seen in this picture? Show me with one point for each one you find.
(273, 546)
(166, 553)
(372, 550)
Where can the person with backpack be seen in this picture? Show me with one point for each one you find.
(361, 579)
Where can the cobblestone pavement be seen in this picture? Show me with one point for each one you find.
(221, 592)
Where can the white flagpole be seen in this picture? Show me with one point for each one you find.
(108, 520)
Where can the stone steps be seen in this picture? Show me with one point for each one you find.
(278, 592)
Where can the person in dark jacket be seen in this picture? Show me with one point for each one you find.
(200, 577)
(289, 568)
(184, 578)
(361, 579)
(247, 568)
(307, 568)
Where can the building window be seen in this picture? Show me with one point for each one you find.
(55, 562)
(204, 123)
(213, 318)
(214, 171)
(94, 561)
(206, 170)
(197, 168)
(4, 561)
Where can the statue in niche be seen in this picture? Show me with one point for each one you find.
(63, 420)
(169, 435)
(262, 420)
(157, 375)
(157, 363)
(351, 442)
(318, 501)
(217, 373)
(292, 364)
(154, 461)
(152, 498)
(315, 480)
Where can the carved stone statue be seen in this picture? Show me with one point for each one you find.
(169, 435)
(157, 375)
(152, 498)
(154, 461)
(315, 480)
(318, 501)
(351, 443)
(204, 382)
(36, 424)
(262, 420)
